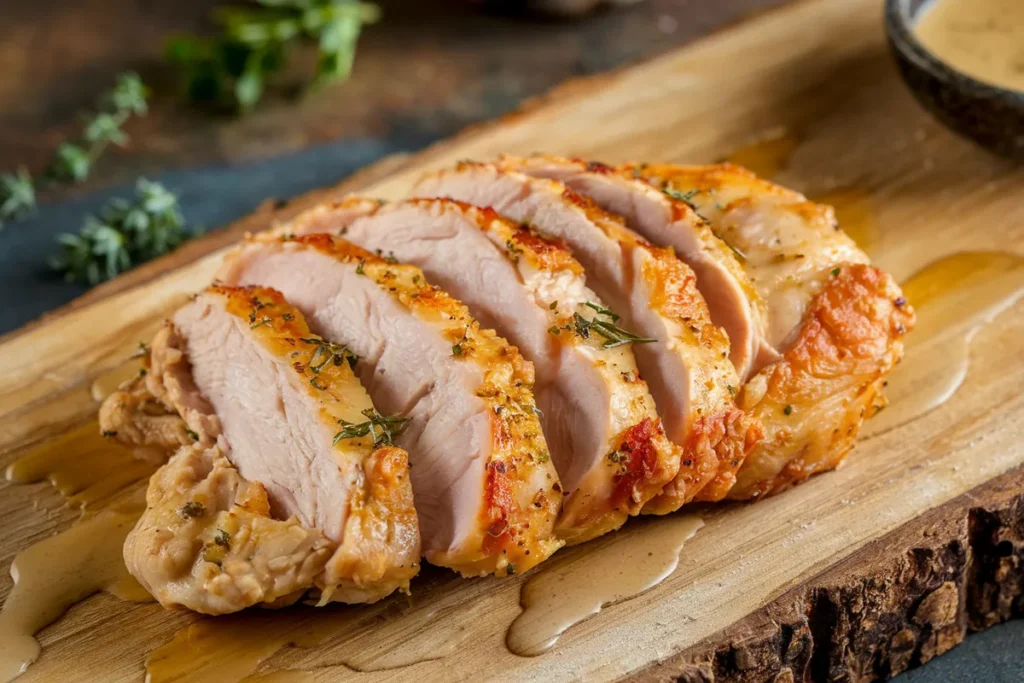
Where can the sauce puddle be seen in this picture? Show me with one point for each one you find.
(54, 574)
(954, 297)
(767, 156)
(981, 38)
(856, 216)
(577, 584)
(231, 648)
(82, 465)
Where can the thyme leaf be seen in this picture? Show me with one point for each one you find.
(73, 160)
(232, 70)
(192, 509)
(328, 352)
(383, 428)
(122, 235)
(603, 324)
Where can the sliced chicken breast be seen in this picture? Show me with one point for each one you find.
(599, 419)
(283, 490)
(789, 244)
(812, 402)
(687, 367)
(666, 218)
(835, 352)
(486, 492)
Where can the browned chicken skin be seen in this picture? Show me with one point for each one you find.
(687, 368)
(837, 322)
(598, 417)
(486, 492)
(272, 499)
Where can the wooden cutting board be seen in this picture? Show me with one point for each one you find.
(863, 572)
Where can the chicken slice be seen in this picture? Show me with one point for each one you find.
(812, 402)
(668, 219)
(282, 490)
(836, 351)
(687, 367)
(486, 492)
(789, 245)
(599, 419)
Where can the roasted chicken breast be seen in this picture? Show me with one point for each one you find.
(836, 322)
(666, 218)
(279, 493)
(599, 419)
(686, 365)
(485, 490)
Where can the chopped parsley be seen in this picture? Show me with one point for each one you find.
(193, 509)
(222, 538)
(514, 251)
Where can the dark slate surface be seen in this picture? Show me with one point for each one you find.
(209, 197)
(216, 196)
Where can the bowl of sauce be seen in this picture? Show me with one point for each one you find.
(964, 61)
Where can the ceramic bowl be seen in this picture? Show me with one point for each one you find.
(991, 116)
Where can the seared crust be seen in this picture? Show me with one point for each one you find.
(813, 401)
(640, 460)
(246, 556)
(684, 218)
(523, 496)
(670, 286)
(804, 265)
(711, 453)
(720, 435)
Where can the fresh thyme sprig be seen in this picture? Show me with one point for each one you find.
(124, 234)
(602, 324)
(327, 352)
(233, 69)
(73, 160)
(384, 429)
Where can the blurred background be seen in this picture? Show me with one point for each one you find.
(424, 69)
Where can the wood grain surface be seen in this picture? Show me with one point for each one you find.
(859, 573)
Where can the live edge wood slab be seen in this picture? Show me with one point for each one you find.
(858, 574)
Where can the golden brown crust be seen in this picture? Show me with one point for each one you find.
(525, 535)
(813, 401)
(641, 460)
(720, 435)
(675, 298)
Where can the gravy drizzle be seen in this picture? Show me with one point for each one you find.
(54, 574)
(954, 297)
(577, 583)
(767, 156)
(230, 649)
(82, 465)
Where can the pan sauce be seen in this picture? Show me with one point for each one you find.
(981, 38)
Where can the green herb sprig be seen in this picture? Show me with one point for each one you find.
(233, 69)
(73, 160)
(124, 234)
(329, 352)
(602, 324)
(384, 429)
